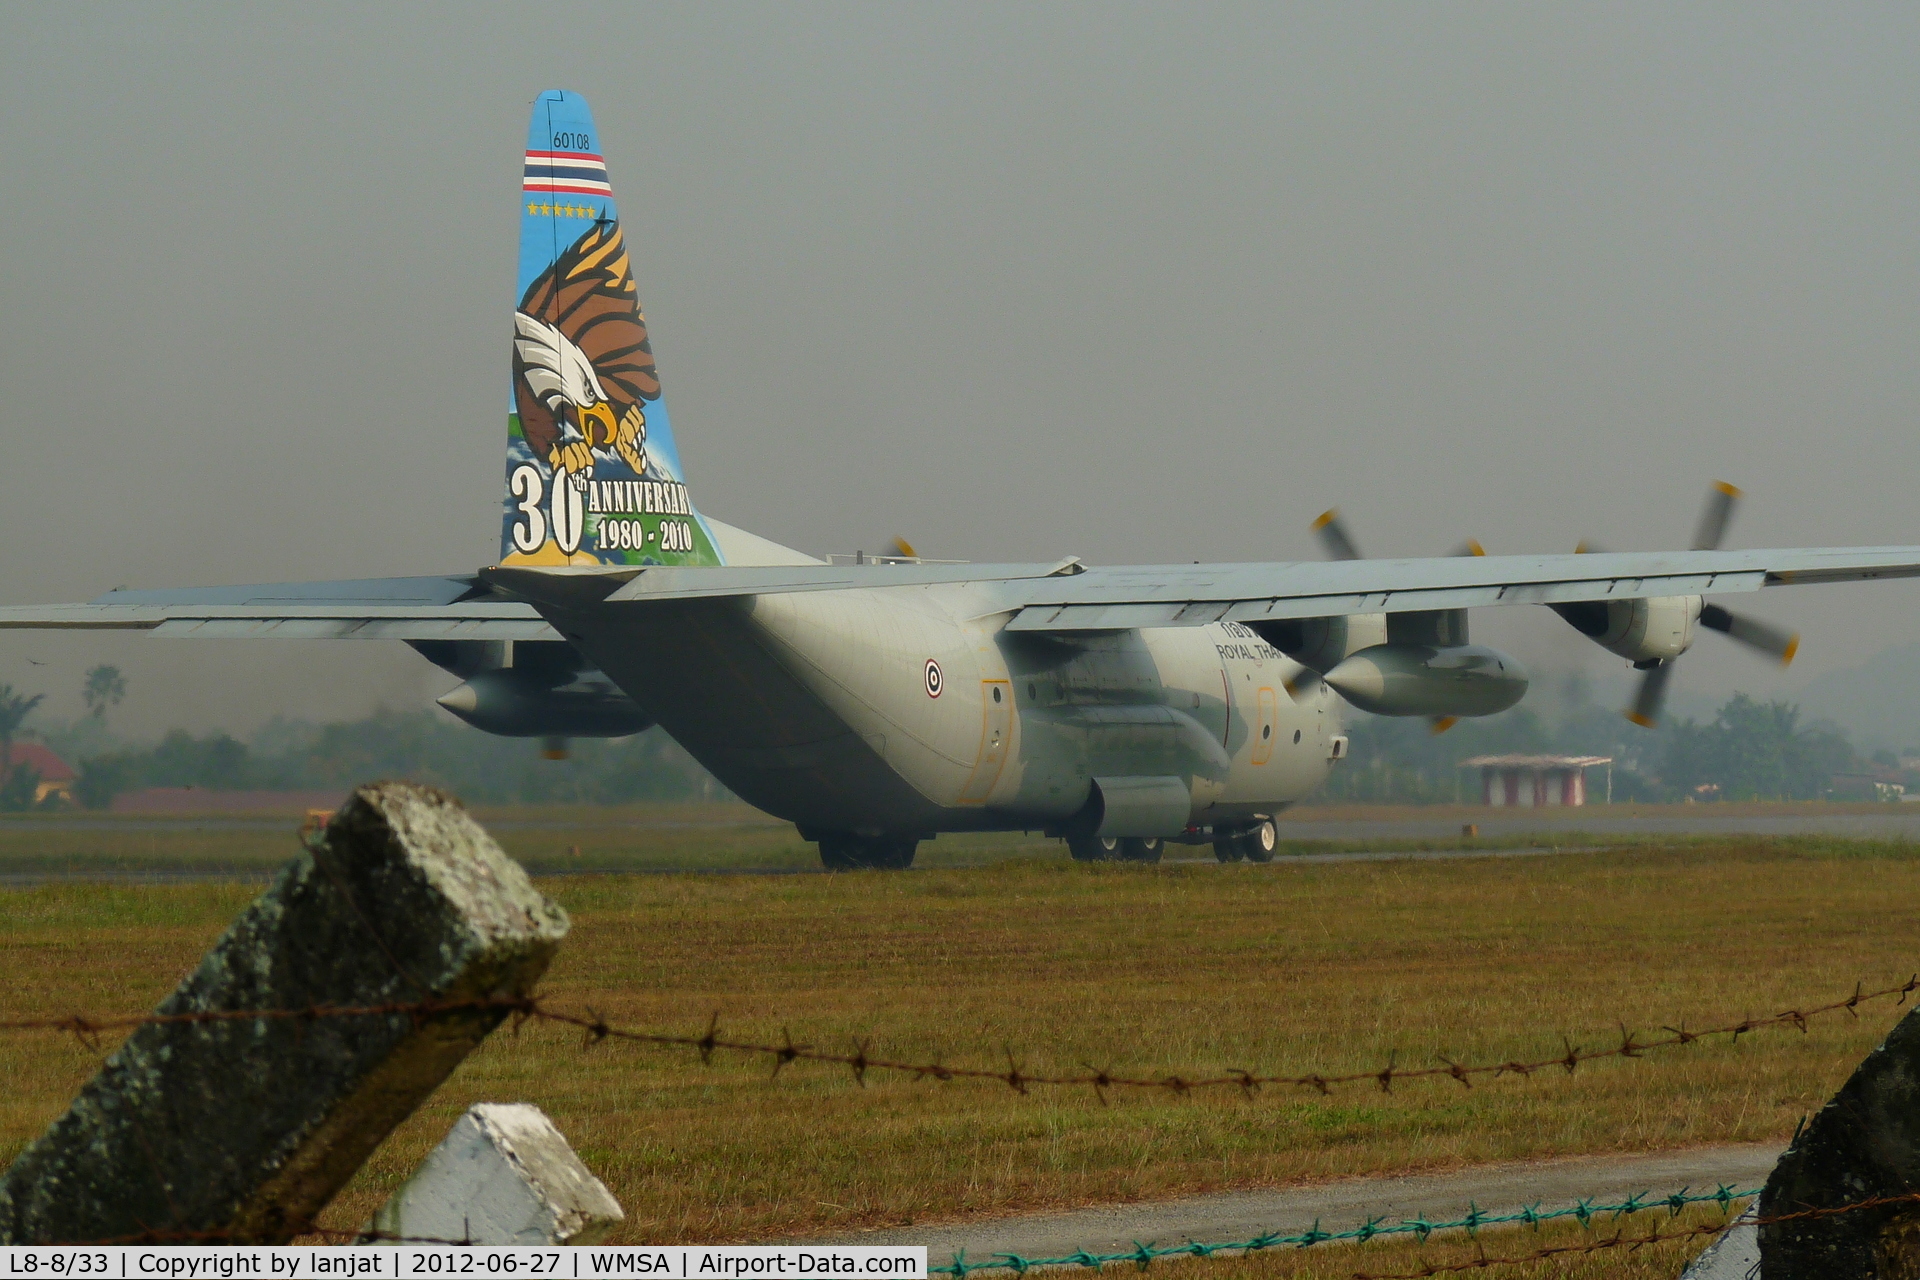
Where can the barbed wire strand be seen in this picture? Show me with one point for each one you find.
(1586, 1211)
(1619, 1241)
(595, 1029)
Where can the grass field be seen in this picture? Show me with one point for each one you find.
(1190, 969)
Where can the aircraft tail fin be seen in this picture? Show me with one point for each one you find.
(593, 476)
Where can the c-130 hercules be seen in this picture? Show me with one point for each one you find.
(878, 703)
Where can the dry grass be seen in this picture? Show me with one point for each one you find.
(1287, 968)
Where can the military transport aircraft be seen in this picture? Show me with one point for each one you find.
(879, 702)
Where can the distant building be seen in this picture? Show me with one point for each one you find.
(1535, 782)
(56, 775)
(1881, 785)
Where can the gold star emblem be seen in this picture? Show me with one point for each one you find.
(532, 209)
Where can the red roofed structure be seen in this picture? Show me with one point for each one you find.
(56, 775)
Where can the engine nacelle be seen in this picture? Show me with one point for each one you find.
(1422, 680)
(516, 703)
(1657, 629)
(1320, 644)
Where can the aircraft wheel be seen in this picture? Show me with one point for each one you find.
(1259, 841)
(839, 853)
(1227, 847)
(1094, 848)
(853, 853)
(1141, 849)
(892, 855)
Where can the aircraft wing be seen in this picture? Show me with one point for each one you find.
(452, 608)
(1194, 595)
(1069, 597)
(1066, 596)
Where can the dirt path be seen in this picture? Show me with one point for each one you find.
(1338, 1206)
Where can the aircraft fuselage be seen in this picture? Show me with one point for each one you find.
(907, 711)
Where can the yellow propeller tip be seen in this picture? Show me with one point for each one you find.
(1731, 491)
(1474, 547)
(1326, 518)
(1793, 647)
(1443, 723)
(1581, 549)
(1645, 722)
(905, 548)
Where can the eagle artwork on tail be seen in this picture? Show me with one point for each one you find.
(592, 477)
(582, 366)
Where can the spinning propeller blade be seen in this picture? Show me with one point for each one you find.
(1333, 536)
(1648, 698)
(1302, 683)
(1715, 516)
(1765, 637)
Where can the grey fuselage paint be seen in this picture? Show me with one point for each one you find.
(820, 708)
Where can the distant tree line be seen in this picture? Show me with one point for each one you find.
(287, 755)
(1750, 750)
(419, 745)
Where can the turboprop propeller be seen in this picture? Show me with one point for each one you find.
(1339, 545)
(1625, 626)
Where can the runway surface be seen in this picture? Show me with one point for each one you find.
(1900, 822)
(1893, 823)
(23, 879)
(1339, 1206)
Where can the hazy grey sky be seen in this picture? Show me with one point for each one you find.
(1133, 283)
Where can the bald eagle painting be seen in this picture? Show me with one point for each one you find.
(582, 366)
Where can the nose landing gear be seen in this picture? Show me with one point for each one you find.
(1255, 843)
(1114, 848)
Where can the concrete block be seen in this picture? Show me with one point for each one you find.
(243, 1130)
(1734, 1256)
(1864, 1144)
(504, 1175)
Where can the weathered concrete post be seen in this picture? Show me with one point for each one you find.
(245, 1129)
(503, 1175)
(1863, 1145)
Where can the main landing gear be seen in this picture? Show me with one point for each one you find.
(1255, 843)
(866, 853)
(1114, 848)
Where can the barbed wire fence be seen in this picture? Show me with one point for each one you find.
(860, 1061)
(1584, 1211)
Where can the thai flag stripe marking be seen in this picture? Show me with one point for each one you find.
(579, 172)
